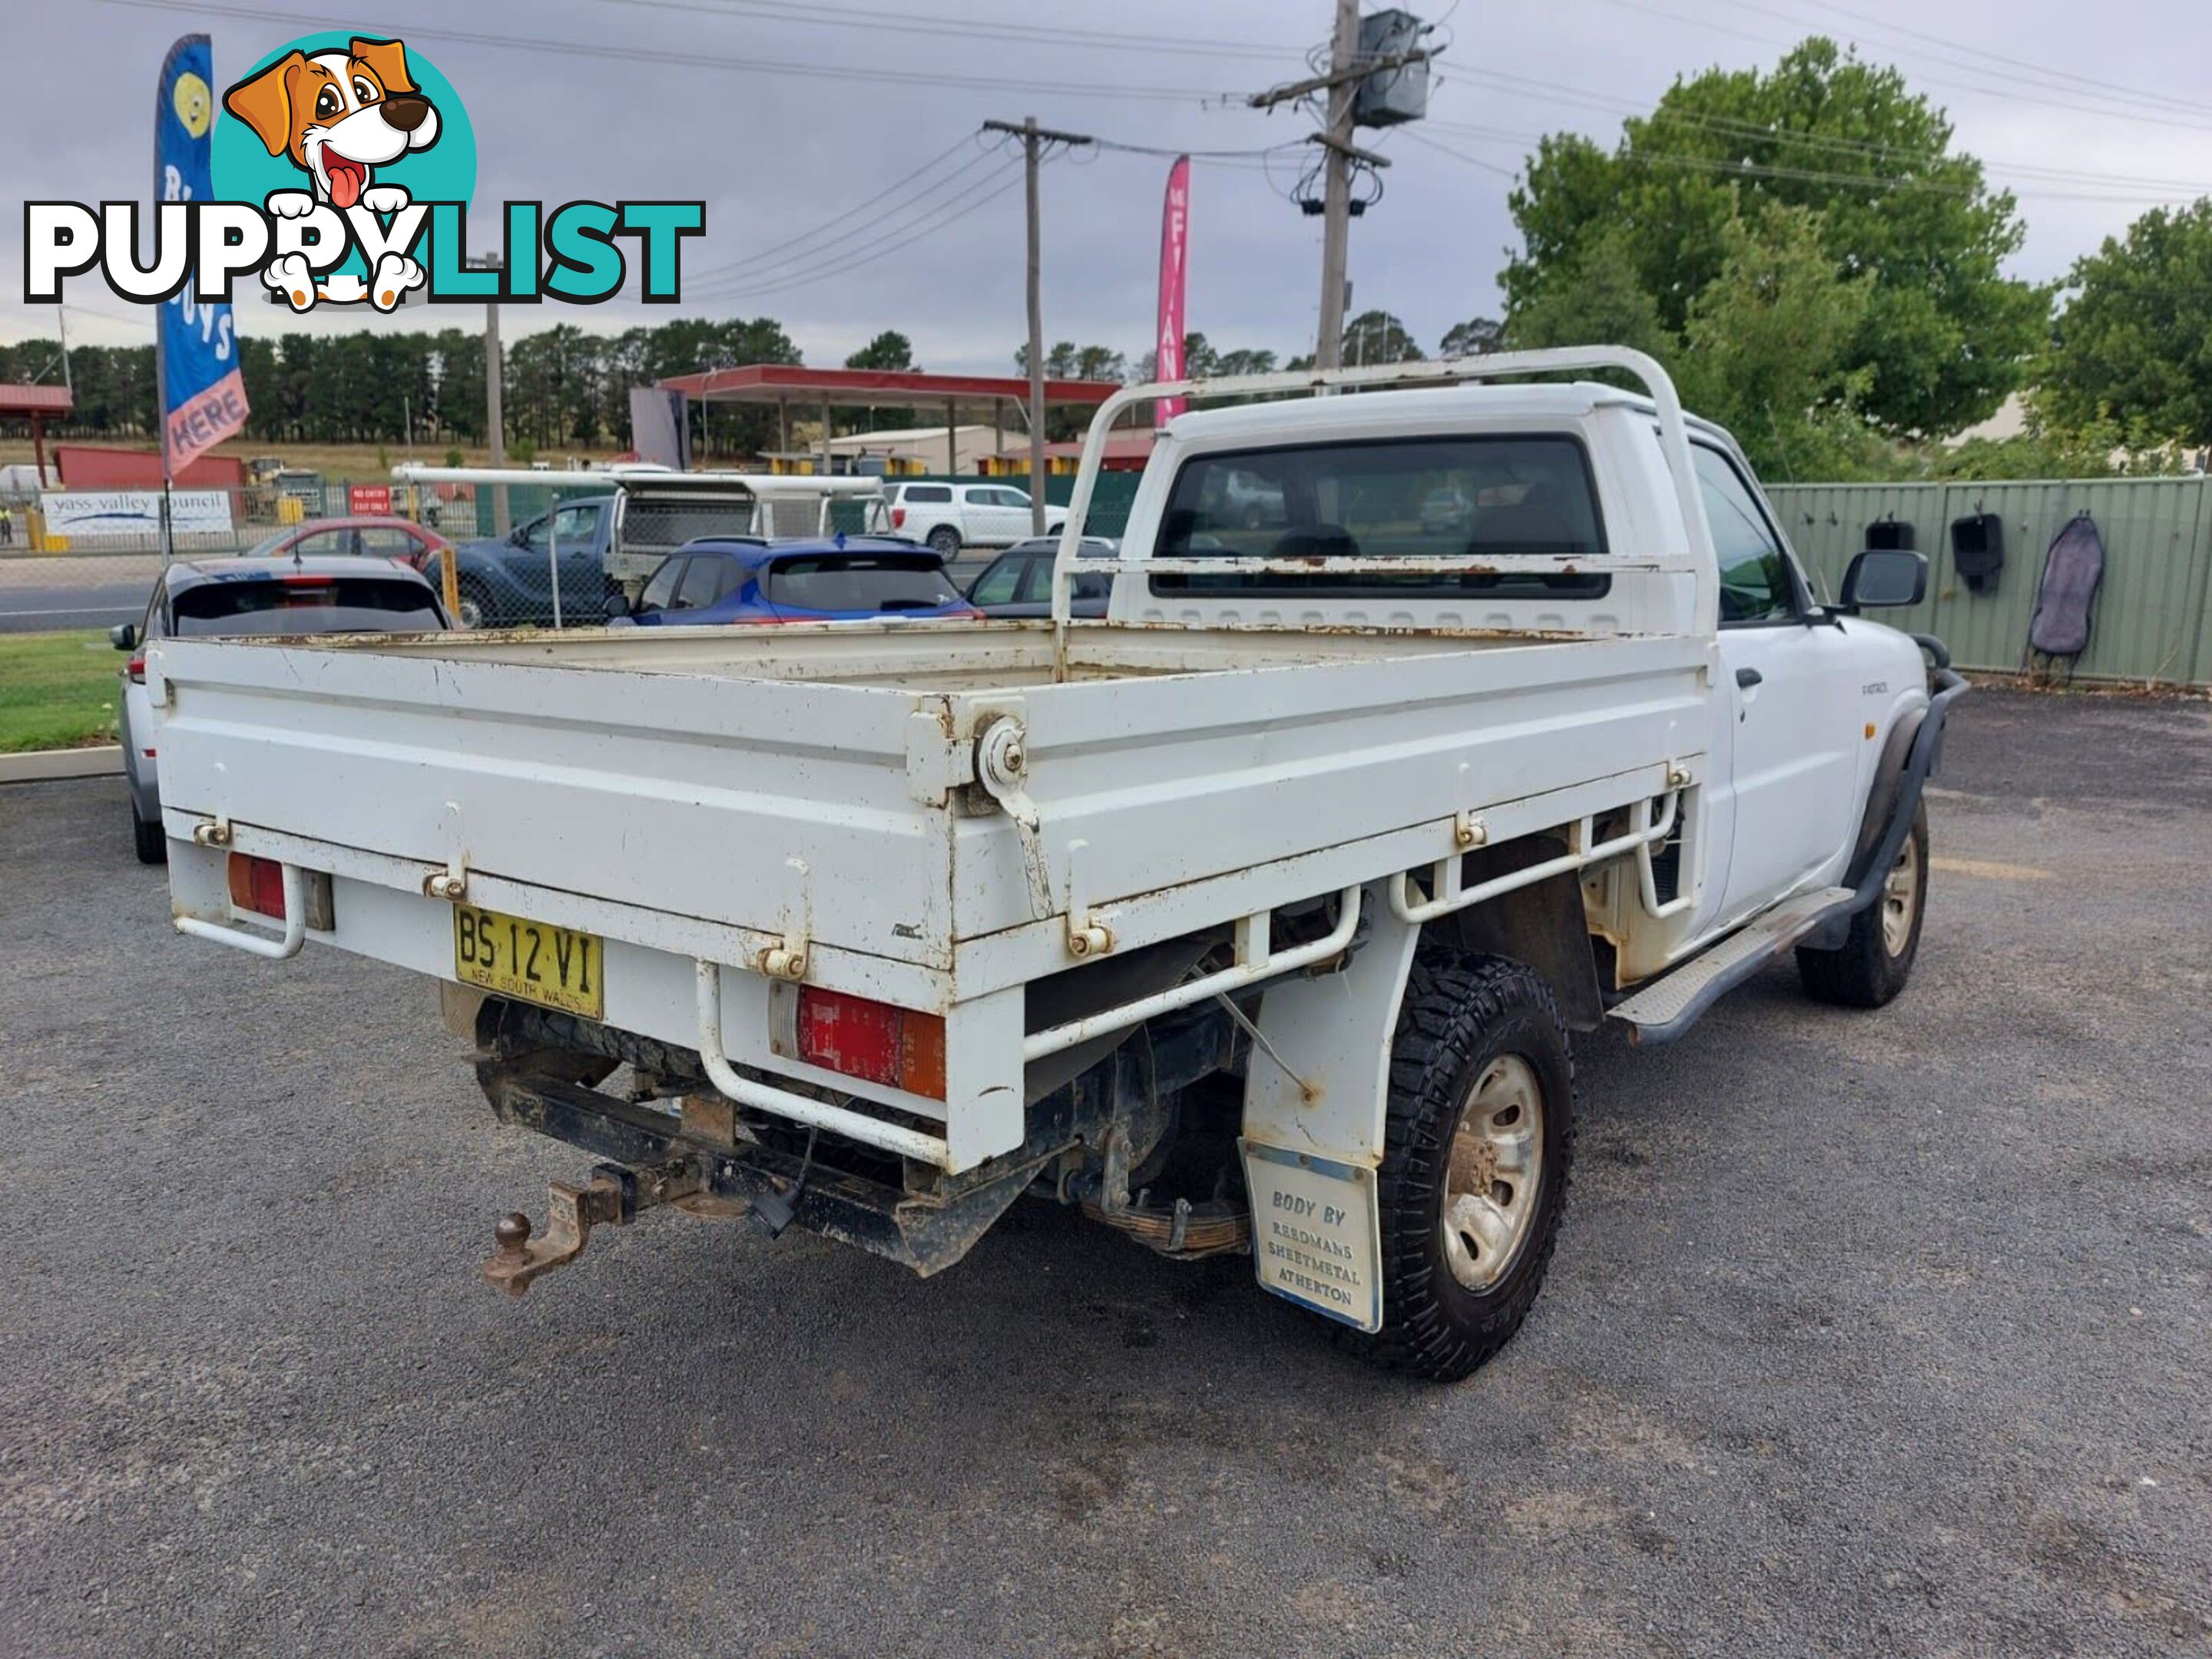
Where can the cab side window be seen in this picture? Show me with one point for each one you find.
(323, 544)
(662, 588)
(999, 582)
(387, 541)
(575, 526)
(705, 582)
(1754, 571)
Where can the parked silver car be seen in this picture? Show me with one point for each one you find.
(205, 597)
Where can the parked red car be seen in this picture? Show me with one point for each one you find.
(353, 537)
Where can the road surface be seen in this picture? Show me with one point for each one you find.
(76, 592)
(1868, 1334)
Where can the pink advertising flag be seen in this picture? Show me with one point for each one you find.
(1174, 245)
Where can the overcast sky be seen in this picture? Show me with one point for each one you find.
(2091, 115)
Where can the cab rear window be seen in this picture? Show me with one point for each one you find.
(306, 604)
(1468, 497)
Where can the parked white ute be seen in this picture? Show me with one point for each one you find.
(951, 516)
(1256, 917)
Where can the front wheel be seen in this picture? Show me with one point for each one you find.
(1876, 958)
(1476, 1147)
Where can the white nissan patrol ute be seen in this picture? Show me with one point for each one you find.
(1259, 916)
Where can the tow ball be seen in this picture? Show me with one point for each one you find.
(611, 1198)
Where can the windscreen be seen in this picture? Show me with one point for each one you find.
(864, 582)
(295, 605)
(1469, 496)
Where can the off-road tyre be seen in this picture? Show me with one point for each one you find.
(1460, 1014)
(148, 840)
(1874, 961)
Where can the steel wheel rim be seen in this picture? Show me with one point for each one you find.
(1494, 1172)
(470, 613)
(1900, 889)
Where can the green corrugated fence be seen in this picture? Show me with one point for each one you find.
(2152, 623)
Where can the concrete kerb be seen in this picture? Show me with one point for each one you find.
(45, 765)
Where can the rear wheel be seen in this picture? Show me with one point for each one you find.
(1474, 1181)
(945, 542)
(148, 839)
(475, 606)
(1876, 958)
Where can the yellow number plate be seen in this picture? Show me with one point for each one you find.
(555, 967)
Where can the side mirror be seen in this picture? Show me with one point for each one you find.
(618, 604)
(124, 637)
(1883, 578)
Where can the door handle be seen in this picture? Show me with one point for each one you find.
(1747, 678)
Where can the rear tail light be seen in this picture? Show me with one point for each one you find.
(898, 517)
(898, 1048)
(136, 669)
(258, 884)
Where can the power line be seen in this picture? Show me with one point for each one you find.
(895, 239)
(1803, 175)
(784, 252)
(1981, 54)
(2107, 108)
(2182, 190)
(1428, 143)
(743, 273)
(941, 25)
(602, 52)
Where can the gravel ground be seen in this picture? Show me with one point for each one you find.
(1879, 1333)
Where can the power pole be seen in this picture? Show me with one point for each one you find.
(1336, 200)
(495, 390)
(1347, 68)
(61, 323)
(1034, 138)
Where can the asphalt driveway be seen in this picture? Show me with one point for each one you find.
(1885, 1332)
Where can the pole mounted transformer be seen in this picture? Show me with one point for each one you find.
(1377, 76)
(1387, 97)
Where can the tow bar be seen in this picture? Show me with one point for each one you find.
(611, 1198)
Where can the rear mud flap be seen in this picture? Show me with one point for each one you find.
(1316, 1232)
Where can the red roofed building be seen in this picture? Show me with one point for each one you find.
(37, 403)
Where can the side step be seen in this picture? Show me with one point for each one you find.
(1673, 1002)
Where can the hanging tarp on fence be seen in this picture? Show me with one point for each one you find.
(2152, 621)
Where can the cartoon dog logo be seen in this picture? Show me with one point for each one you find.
(339, 116)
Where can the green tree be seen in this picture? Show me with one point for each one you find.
(1245, 361)
(1376, 337)
(1943, 336)
(1594, 297)
(1765, 349)
(1472, 337)
(2134, 344)
(1099, 362)
(889, 349)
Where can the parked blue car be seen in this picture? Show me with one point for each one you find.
(733, 579)
(506, 581)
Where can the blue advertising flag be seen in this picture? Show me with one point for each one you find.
(203, 394)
